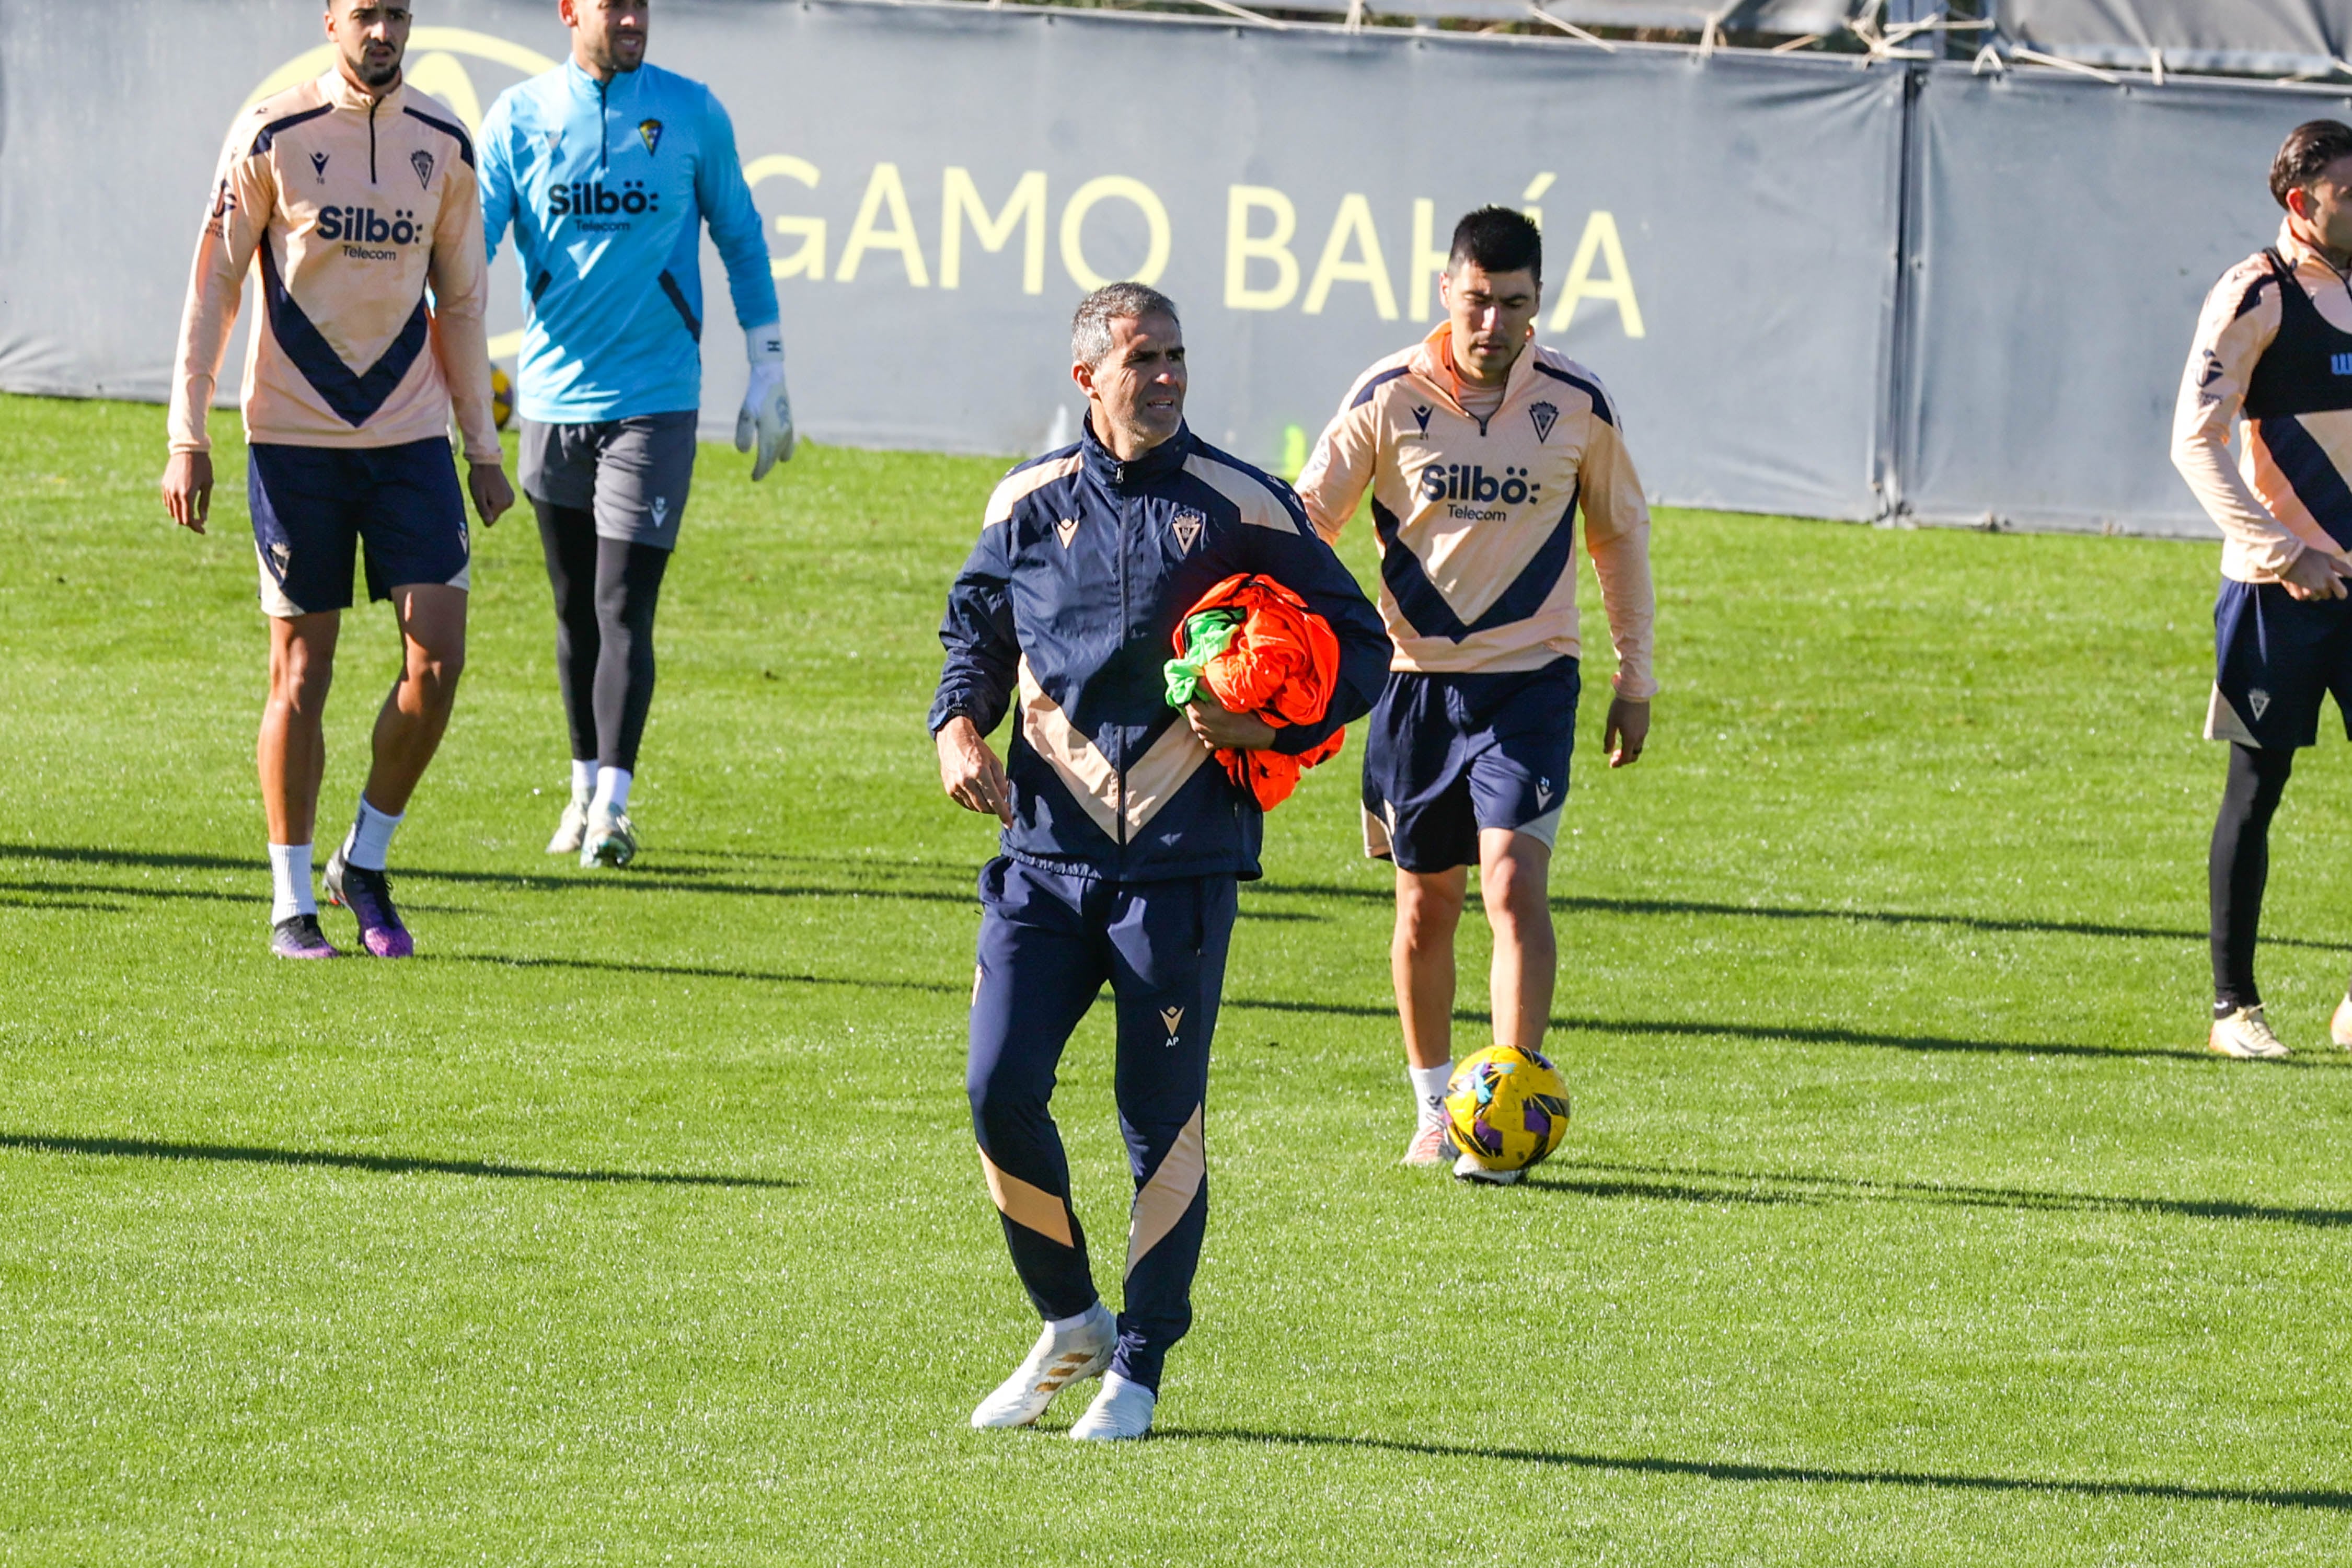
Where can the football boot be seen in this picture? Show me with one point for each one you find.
(1122, 1410)
(611, 840)
(299, 936)
(1467, 1169)
(1053, 1363)
(570, 829)
(1428, 1146)
(2247, 1034)
(2339, 1027)
(368, 895)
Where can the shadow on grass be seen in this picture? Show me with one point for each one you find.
(691, 971)
(673, 879)
(1799, 1034)
(700, 879)
(1554, 1180)
(384, 1164)
(1585, 904)
(10, 900)
(1800, 1187)
(2328, 1499)
(41, 893)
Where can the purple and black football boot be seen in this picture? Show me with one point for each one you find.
(299, 936)
(368, 895)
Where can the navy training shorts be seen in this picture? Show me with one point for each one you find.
(1445, 755)
(315, 507)
(2275, 656)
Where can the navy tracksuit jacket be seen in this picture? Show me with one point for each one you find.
(1127, 838)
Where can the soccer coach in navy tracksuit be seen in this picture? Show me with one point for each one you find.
(1123, 838)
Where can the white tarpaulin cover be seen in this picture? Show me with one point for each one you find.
(2264, 37)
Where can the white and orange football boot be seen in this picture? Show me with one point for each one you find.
(2339, 1027)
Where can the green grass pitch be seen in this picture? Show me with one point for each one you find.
(1903, 1219)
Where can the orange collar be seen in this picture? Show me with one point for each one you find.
(1439, 369)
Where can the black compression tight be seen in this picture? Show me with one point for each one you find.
(2240, 865)
(606, 590)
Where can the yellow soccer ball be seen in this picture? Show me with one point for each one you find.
(1506, 1108)
(501, 397)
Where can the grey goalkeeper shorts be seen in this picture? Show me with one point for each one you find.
(630, 475)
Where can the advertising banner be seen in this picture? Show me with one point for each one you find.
(943, 182)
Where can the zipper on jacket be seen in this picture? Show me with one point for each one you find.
(603, 131)
(1119, 767)
(373, 104)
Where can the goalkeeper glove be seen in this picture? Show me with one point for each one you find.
(767, 412)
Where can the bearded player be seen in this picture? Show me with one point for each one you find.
(607, 168)
(2270, 360)
(1478, 446)
(356, 198)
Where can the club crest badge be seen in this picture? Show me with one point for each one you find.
(1065, 530)
(1174, 1018)
(660, 510)
(2260, 701)
(422, 162)
(1545, 417)
(1543, 794)
(1421, 416)
(554, 143)
(650, 131)
(1187, 528)
(318, 166)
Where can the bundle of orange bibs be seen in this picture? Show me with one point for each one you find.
(1255, 648)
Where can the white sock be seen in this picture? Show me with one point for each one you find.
(613, 790)
(371, 837)
(583, 782)
(1429, 1090)
(289, 882)
(1064, 1325)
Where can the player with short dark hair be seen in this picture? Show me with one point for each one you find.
(607, 168)
(1123, 840)
(2269, 360)
(1477, 446)
(357, 198)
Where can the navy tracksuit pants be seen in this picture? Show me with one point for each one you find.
(1048, 941)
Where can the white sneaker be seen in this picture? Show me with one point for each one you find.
(1121, 1410)
(1053, 1362)
(1465, 1169)
(2339, 1027)
(2246, 1033)
(570, 829)
(1428, 1145)
(611, 840)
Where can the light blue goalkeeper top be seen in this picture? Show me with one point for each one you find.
(607, 185)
